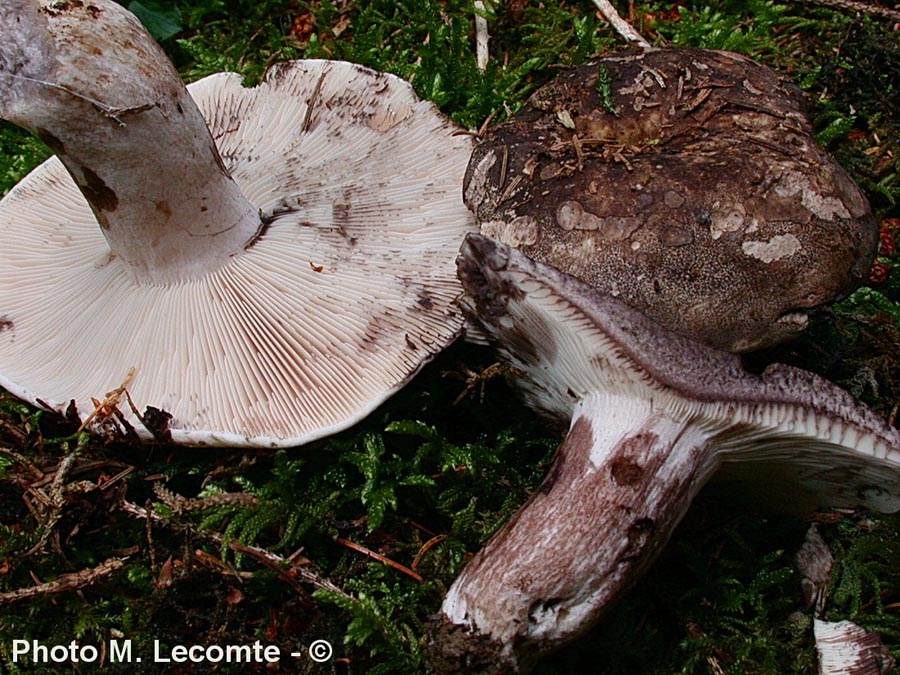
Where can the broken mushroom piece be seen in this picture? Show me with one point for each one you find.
(270, 279)
(653, 416)
(845, 648)
(842, 646)
(681, 181)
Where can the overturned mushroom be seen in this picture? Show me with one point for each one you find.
(681, 181)
(653, 416)
(270, 279)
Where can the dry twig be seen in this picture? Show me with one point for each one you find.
(476, 381)
(859, 7)
(180, 504)
(620, 25)
(66, 582)
(24, 461)
(369, 553)
(287, 570)
(104, 408)
(53, 502)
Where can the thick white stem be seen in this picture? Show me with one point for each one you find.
(622, 480)
(89, 81)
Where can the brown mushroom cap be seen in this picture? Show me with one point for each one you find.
(689, 184)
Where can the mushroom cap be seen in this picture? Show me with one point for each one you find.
(344, 297)
(689, 184)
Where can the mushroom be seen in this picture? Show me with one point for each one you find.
(843, 647)
(270, 279)
(682, 181)
(654, 416)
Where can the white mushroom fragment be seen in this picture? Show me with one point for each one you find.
(270, 279)
(653, 417)
(843, 647)
(847, 649)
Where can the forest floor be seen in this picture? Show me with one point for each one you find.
(198, 546)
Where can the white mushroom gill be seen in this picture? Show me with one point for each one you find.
(297, 333)
(653, 417)
(847, 649)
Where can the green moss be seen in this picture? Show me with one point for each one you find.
(19, 153)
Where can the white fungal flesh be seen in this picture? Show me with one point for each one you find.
(847, 649)
(349, 290)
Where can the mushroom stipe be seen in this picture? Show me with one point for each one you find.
(653, 417)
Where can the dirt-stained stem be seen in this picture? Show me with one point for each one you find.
(97, 89)
(622, 480)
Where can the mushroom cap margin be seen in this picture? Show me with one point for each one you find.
(348, 293)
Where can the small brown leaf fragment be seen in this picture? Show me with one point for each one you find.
(880, 272)
(515, 11)
(234, 597)
(164, 580)
(156, 421)
(72, 413)
(303, 28)
(342, 24)
(207, 559)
